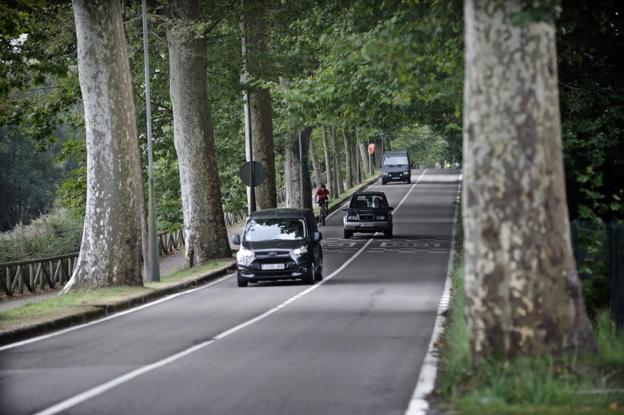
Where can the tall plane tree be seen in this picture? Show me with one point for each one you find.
(523, 294)
(255, 54)
(110, 252)
(205, 235)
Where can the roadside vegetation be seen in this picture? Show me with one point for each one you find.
(591, 383)
(55, 233)
(84, 300)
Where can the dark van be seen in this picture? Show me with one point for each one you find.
(279, 244)
(396, 167)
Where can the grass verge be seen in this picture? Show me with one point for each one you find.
(91, 300)
(589, 384)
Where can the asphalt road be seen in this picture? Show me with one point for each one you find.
(351, 345)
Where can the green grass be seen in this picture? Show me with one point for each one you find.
(589, 384)
(78, 301)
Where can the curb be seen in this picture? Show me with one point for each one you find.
(37, 329)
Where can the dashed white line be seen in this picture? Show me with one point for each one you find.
(113, 383)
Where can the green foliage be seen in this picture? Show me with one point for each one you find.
(56, 233)
(541, 384)
(424, 145)
(28, 179)
(591, 92)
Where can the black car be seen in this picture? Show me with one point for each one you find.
(279, 244)
(368, 212)
(396, 167)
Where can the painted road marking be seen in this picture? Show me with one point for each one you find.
(113, 383)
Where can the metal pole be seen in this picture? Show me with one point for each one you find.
(252, 173)
(301, 168)
(153, 261)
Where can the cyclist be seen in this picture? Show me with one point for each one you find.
(322, 198)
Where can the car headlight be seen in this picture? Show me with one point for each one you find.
(352, 218)
(405, 173)
(300, 251)
(244, 256)
(381, 217)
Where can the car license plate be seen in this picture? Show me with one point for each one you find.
(268, 267)
(367, 225)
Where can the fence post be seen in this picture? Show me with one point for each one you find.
(616, 250)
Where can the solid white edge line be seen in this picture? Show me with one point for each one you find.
(132, 310)
(429, 370)
(113, 383)
(113, 316)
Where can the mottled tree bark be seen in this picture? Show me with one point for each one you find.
(110, 251)
(316, 170)
(205, 234)
(347, 153)
(523, 295)
(261, 104)
(331, 178)
(337, 172)
(294, 170)
(364, 158)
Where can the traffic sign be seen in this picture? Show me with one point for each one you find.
(259, 173)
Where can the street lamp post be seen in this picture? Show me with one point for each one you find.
(153, 265)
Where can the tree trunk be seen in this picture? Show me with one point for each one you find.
(337, 172)
(110, 252)
(364, 158)
(347, 153)
(205, 235)
(354, 163)
(316, 171)
(295, 170)
(331, 178)
(255, 51)
(523, 295)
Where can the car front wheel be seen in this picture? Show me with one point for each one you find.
(348, 234)
(241, 281)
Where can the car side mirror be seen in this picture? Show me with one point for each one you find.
(345, 209)
(390, 208)
(317, 237)
(236, 239)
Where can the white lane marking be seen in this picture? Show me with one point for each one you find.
(429, 370)
(408, 192)
(113, 383)
(112, 316)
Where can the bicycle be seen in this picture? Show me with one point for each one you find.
(323, 212)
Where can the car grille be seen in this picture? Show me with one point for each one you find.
(366, 217)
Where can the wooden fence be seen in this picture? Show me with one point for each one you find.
(43, 274)
(36, 274)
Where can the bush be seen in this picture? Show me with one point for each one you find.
(56, 233)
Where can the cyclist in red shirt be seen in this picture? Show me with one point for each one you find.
(322, 197)
(322, 194)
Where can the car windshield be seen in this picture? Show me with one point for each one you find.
(258, 230)
(367, 202)
(396, 161)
